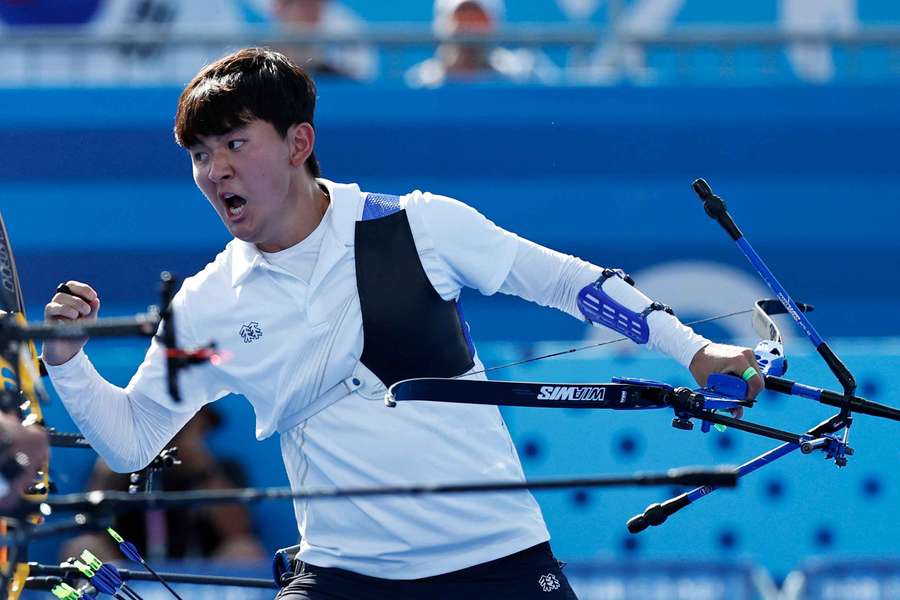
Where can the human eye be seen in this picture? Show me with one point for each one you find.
(235, 144)
(199, 156)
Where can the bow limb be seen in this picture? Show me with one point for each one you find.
(21, 357)
(657, 514)
(33, 391)
(21, 372)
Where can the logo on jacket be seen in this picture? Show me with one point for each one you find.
(548, 582)
(251, 332)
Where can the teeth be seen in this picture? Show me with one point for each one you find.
(236, 210)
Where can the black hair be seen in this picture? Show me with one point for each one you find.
(253, 83)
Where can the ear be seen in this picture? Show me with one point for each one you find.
(301, 139)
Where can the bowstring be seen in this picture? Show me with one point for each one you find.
(591, 346)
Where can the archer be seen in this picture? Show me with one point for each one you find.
(325, 296)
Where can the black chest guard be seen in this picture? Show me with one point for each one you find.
(408, 329)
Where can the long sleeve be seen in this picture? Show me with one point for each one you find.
(459, 248)
(125, 427)
(554, 279)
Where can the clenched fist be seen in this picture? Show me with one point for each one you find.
(73, 301)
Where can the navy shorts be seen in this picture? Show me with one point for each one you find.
(531, 573)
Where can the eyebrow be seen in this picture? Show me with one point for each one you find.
(230, 132)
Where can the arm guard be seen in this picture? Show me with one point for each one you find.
(600, 308)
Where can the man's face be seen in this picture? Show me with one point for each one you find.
(246, 175)
(470, 17)
(300, 12)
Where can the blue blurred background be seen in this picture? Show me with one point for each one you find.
(790, 109)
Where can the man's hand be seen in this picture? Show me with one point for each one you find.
(79, 303)
(24, 451)
(722, 358)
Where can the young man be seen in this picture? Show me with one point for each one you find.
(325, 295)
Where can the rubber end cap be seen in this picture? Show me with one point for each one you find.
(702, 189)
(653, 516)
(637, 524)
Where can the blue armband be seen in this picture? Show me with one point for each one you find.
(600, 309)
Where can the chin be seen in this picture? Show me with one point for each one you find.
(250, 239)
(242, 234)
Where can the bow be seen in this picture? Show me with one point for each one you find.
(830, 436)
(22, 396)
(23, 391)
(721, 392)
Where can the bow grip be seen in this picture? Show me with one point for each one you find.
(726, 385)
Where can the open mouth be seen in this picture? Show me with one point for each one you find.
(234, 204)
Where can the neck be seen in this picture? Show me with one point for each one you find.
(463, 60)
(311, 205)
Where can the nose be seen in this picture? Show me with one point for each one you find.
(219, 168)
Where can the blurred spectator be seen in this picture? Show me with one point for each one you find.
(466, 62)
(354, 61)
(160, 60)
(148, 62)
(814, 62)
(614, 60)
(218, 532)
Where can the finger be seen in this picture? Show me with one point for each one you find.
(82, 290)
(737, 413)
(55, 310)
(756, 383)
(84, 309)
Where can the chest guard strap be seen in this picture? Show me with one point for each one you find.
(408, 329)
